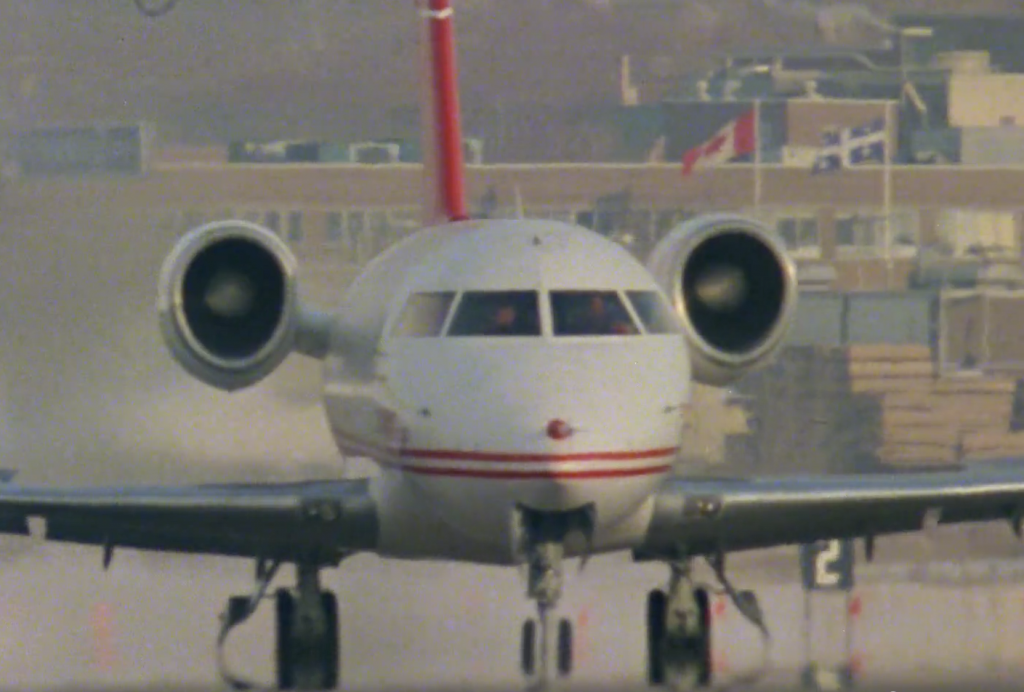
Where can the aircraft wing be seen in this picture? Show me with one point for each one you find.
(273, 521)
(705, 516)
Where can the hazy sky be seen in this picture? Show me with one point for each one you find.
(309, 66)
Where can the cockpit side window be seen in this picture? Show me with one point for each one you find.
(656, 316)
(496, 313)
(590, 313)
(424, 314)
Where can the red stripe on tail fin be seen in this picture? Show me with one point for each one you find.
(442, 136)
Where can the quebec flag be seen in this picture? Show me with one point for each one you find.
(851, 146)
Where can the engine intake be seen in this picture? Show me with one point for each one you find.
(734, 287)
(228, 303)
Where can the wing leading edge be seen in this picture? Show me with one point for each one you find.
(321, 521)
(709, 516)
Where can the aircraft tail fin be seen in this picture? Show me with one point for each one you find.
(444, 186)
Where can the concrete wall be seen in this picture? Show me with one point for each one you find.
(986, 100)
(184, 194)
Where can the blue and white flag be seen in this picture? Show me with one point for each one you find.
(851, 146)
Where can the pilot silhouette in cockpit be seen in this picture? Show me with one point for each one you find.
(503, 321)
(598, 319)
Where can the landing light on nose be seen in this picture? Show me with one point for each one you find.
(558, 429)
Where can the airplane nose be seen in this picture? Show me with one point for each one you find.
(558, 429)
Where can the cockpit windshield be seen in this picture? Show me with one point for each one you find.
(424, 314)
(496, 313)
(517, 313)
(653, 312)
(590, 313)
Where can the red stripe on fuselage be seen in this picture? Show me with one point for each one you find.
(498, 457)
(538, 475)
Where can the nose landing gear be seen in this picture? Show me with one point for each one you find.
(543, 537)
(545, 587)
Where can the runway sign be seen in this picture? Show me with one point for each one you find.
(827, 565)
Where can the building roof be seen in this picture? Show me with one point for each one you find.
(999, 35)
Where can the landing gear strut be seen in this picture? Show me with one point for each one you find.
(543, 542)
(545, 587)
(307, 643)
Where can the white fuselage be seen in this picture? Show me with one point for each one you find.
(467, 427)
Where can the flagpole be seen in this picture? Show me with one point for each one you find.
(757, 156)
(887, 197)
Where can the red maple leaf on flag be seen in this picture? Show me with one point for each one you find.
(736, 138)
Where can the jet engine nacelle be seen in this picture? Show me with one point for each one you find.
(228, 303)
(733, 285)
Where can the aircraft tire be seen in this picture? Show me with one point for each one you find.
(565, 645)
(332, 641)
(528, 648)
(656, 604)
(284, 604)
(328, 660)
(687, 660)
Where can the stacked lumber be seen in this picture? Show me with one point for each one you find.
(932, 419)
(837, 409)
(902, 372)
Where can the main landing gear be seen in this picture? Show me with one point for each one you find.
(679, 627)
(307, 648)
(542, 538)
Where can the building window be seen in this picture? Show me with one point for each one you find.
(378, 222)
(295, 226)
(860, 234)
(272, 220)
(335, 227)
(356, 226)
(904, 229)
(356, 222)
(402, 222)
(800, 234)
(377, 238)
(867, 235)
(979, 232)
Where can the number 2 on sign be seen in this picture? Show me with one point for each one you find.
(824, 563)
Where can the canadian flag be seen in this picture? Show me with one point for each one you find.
(735, 139)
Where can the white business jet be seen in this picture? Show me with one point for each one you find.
(521, 384)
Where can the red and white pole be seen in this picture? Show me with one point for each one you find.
(442, 137)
